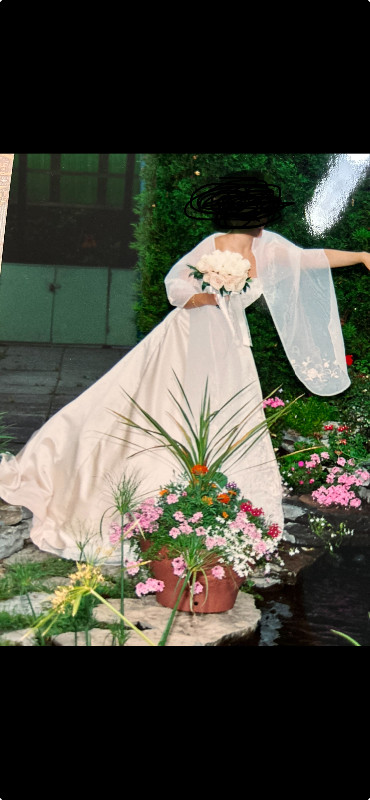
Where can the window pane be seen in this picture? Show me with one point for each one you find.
(115, 191)
(38, 161)
(38, 187)
(80, 162)
(117, 162)
(81, 189)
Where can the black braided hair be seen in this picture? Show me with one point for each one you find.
(237, 200)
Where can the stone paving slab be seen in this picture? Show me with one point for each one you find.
(36, 381)
(26, 358)
(19, 637)
(188, 629)
(32, 382)
(19, 604)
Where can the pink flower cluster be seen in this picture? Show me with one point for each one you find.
(214, 541)
(242, 523)
(336, 495)
(179, 566)
(149, 513)
(273, 402)
(116, 532)
(172, 498)
(146, 517)
(340, 492)
(151, 585)
(218, 572)
(132, 567)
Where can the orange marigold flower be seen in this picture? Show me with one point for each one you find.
(199, 469)
(225, 515)
(207, 500)
(163, 491)
(231, 492)
(223, 498)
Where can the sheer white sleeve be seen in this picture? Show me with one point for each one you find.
(180, 282)
(299, 291)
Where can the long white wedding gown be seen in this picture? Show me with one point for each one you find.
(65, 472)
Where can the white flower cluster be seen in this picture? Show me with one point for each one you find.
(224, 270)
(245, 551)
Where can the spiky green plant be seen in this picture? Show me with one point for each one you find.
(197, 446)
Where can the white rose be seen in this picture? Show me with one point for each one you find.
(214, 279)
(211, 262)
(235, 264)
(234, 284)
(224, 268)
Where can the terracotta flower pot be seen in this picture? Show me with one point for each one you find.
(221, 593)
(221, 596)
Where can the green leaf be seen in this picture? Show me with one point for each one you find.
(344, 636)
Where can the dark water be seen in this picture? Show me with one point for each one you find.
(334, 592)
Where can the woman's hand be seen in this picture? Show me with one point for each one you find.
(202, 299)
(366, 260)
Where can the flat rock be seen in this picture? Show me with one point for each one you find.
(20, 603)
(11, 542)
(17, 637)
(303, 535)
(10, 515)
(188, 629)
(292, 512)
(29, 553)
(99, 637)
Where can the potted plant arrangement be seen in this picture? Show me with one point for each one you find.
(202, 538)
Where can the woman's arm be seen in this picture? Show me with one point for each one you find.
(203, 299)
(340, 258)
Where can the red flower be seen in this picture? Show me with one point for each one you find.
(328, 427)
(343, 428)
(256, 512)
(349, 360)
(273, 531)
(199, 469)
(223, 498)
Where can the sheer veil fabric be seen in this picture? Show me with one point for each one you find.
(64, 474)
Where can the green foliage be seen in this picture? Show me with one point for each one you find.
(309, 414)
(332, 538)
(5, 435)
(353, 407)
(13, 622)
(31, 577)
(306, 416)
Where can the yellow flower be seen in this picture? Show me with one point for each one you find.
(207, 500)
(60, 599)
(87, 574)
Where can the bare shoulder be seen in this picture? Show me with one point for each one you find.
(222, 241)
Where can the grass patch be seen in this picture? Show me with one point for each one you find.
(12, 622)
(22, 578)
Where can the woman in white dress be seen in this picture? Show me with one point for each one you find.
(65, 472)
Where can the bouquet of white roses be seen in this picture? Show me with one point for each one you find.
(225, 271)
